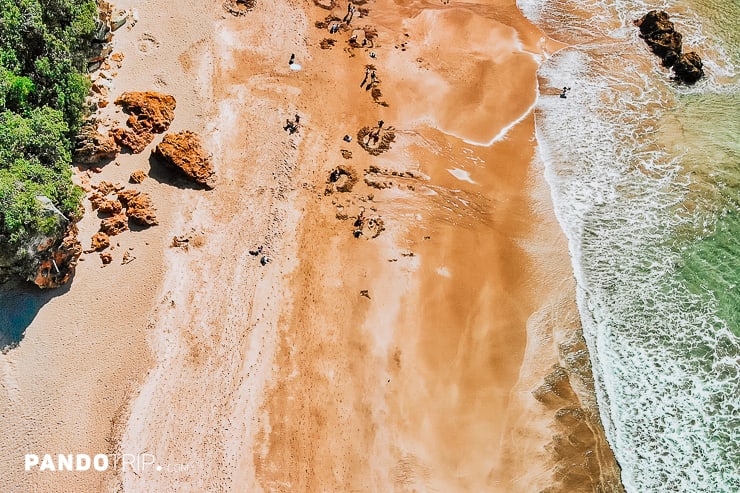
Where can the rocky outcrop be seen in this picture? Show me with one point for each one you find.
(149, 113)
(689, 68)
(55, 265)
(185, 152)
(139, 207)
(660, 35)
(49, 259)
(99, 198)
(95, 144)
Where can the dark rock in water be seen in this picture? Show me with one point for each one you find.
(667, 46)
(689, 68)
(660, 35)
(654, 23)
(658, 32)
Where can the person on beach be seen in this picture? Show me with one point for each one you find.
(348, 16)
(292, 59)
(380, 124)
(372, 76)
(350, 13)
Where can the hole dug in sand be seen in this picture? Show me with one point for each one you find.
(239, 7)
(326, 4)
(376, 140)
(341, 179)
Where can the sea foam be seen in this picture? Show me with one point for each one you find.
(665, 363)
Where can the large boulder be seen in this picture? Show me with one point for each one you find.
(56, 265)
(667, 46)
(185, 152)
(689, 68)
(655, 22)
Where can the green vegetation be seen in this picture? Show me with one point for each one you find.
(43, 60)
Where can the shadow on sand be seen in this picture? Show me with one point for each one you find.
(168, 175)
(19, 304)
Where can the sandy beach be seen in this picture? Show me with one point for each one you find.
(417, 355)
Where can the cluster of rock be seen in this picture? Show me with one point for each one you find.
(149, 113)
(658, 32)
(108, 21)
(121, 205)
(95, 143)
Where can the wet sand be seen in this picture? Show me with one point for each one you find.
(402, 362)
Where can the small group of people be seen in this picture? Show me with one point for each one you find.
(350, 13)
(564, 92)
(291, 126)
(375, 134)
(369, 74)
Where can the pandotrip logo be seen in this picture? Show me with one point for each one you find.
(138, 463)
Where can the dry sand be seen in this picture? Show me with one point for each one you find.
(284, 377)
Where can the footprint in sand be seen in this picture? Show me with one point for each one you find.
(160, 81)
(147, 43)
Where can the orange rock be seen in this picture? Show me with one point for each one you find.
(100, 241)
(154, 111)
(106, 257)
(105, 187)
(136, 141)
(109, 206)
(114, 225)
(184, 151)
(139, 207)
(137, 176)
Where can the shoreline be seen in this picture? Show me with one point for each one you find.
(246, 376)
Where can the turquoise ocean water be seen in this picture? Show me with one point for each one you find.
(645, 178)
